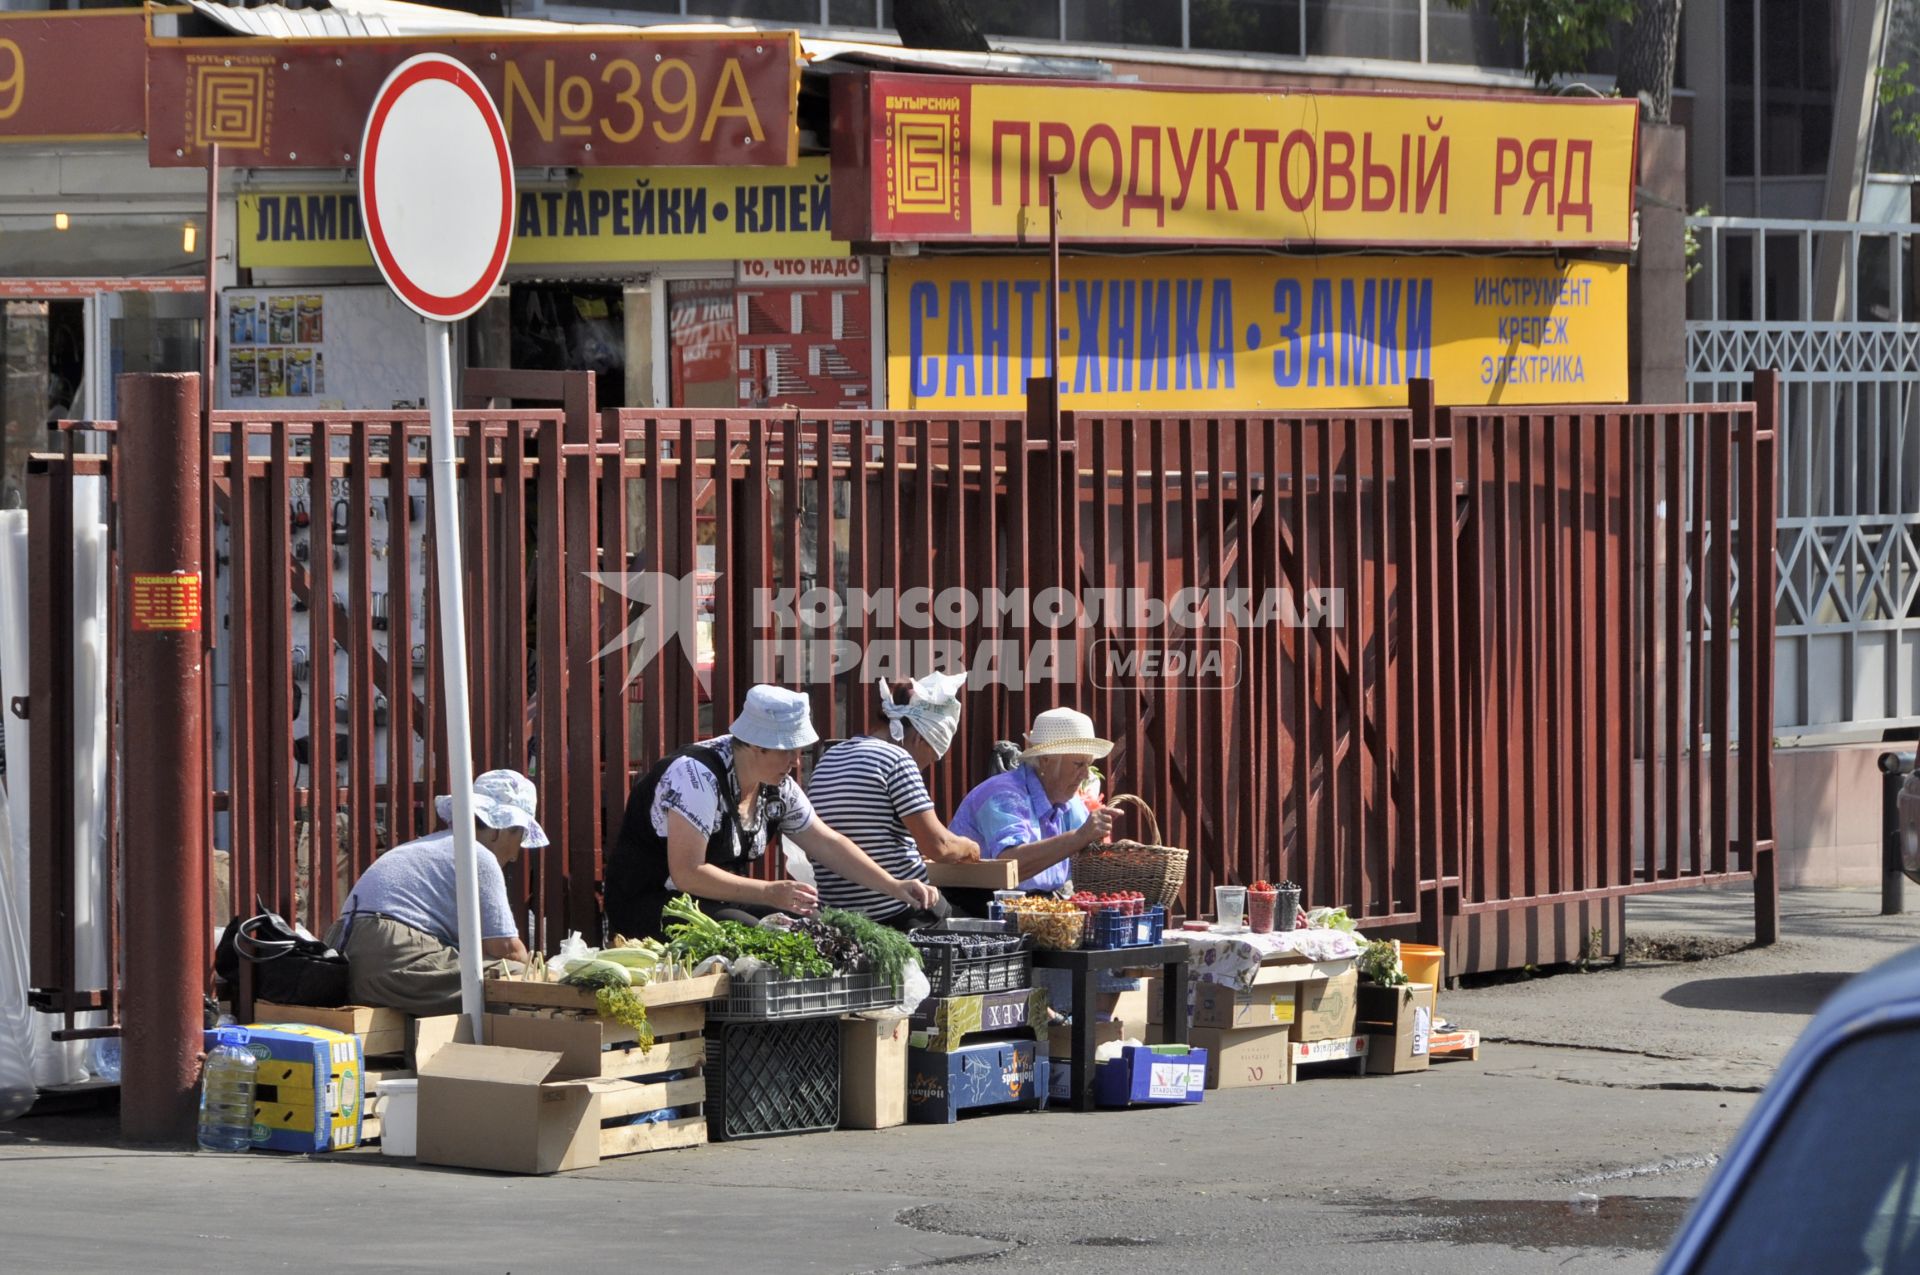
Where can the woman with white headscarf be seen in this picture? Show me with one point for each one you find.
(872, 791)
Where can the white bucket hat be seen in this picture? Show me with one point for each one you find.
(1064, 732)
(775, 718)
(501, 799)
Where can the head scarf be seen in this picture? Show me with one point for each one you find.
(933, 706)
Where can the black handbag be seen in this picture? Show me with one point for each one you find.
(287, 969)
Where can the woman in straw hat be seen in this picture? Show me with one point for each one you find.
(698, 821)
(872, 790)
(1033, 813)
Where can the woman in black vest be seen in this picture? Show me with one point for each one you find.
(697, 822)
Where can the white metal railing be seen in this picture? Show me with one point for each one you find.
(1848, 555)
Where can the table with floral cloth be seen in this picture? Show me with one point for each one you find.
(1233, 959)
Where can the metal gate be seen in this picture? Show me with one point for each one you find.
(1848, 589)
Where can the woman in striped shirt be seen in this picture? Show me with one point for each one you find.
(872, 791)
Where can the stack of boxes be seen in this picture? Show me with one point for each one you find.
(970, 1048)
(1289, 1012)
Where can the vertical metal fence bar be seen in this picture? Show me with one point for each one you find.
(279, 686)
(404, 820)
(1718, 464)
(1674, 503)
(1695, 443)
(1327, 712)
(550, 643)
(584, 736)
(1306, 838)
(323, 786)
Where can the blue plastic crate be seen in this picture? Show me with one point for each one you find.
(1151, 1075)
(1109, 928)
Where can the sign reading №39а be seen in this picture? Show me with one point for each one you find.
(716, 98)
(939, 158)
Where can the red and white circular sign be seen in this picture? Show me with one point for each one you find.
(436, 187)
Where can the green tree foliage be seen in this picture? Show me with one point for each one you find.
(1561, 35)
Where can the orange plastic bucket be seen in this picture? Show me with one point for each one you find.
(1424, 963)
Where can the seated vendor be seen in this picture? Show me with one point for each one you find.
(1033, 813)
(401, 923)
(872, 789)
(697, 822)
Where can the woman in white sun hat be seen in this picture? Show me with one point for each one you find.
(697, 822)
(401, 922)
(1033, 813)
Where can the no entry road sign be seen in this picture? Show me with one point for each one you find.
(436, 187)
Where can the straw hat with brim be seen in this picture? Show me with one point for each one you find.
(1064, 732)
(776, 719)
(501, 799)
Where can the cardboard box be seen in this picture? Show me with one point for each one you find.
(1400, 1021)
(987, 874)
(873, 1071)
(1294, 969)
(489, 1107)
(1244, 1058)
(308, 1089)
(1325, 1009)
(425, 1036)
(1131, 1008)
(381, 1031)
(943, 1023)
(941, 1085)
(1150, 1077)
(1229, 1008)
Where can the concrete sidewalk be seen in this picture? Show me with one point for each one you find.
(1623, 1083)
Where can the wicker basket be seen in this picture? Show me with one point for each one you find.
(1157, 871)
(1060, 931)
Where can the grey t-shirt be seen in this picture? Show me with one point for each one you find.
(414, 884)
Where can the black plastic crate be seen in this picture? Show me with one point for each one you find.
(1006, 965)
(771, 1078)
(1108, 928)
(763, 998)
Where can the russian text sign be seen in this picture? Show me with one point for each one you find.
(1203, 333)
(936, 158)
(610, 216)
(719, 98)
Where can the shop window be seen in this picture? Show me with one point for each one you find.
(1124, 22)
(700, 343)
(806, 345)
(1470, 37)
(854, 13)
(573, 327)
(807, 11)
(1245, 26)
(1365, 29)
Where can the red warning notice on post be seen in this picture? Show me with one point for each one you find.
(166, 603)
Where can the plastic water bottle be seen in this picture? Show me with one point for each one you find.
(226, 1093)
(103, 1059)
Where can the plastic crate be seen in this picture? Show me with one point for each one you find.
(765, 1079)
(952, 974)
(765, 999)
(1117, 929)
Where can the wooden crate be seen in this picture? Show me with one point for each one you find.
(605, 1055)
(1351, 1051)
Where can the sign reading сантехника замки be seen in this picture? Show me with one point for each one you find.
(1196, 333)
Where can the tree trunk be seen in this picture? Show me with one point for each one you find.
(1646, 63)
(938, 24)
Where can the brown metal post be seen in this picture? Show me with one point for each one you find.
(1757, 587)
(163, 667)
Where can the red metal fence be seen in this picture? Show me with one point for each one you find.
(1507, 672)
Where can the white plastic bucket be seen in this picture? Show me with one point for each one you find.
(399, 1116)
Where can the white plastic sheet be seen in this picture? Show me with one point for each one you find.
(17, 1089)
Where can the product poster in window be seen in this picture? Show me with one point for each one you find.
(278, 344)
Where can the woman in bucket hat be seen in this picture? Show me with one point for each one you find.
(698, 821)
(401, 922)
(1034, 813)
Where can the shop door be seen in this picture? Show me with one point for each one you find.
(572, 327)
(43, 353)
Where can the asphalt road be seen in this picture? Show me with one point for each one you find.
(1622, 1085)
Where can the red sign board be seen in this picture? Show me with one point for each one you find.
(164, 603)
(719, 99)
(69, 76)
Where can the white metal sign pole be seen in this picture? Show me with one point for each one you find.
(453, 658)
(436, 187)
